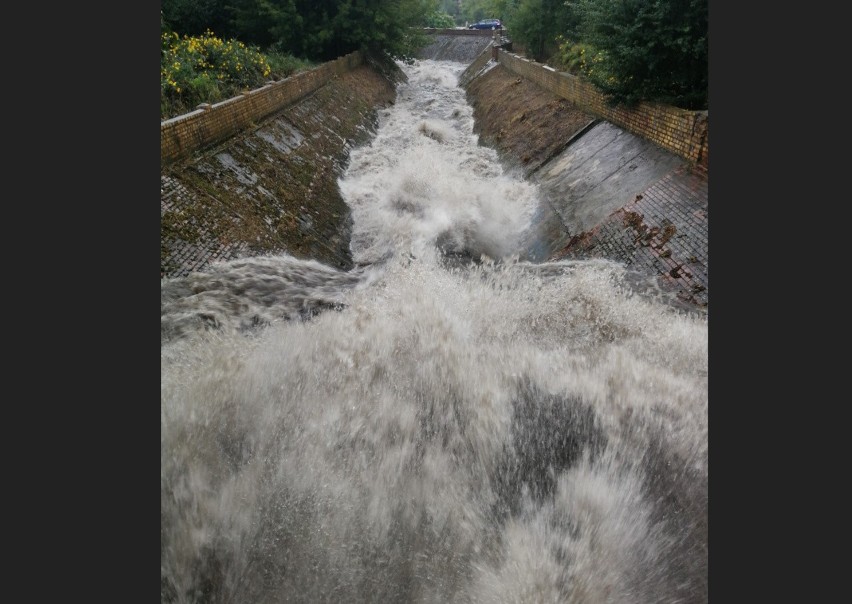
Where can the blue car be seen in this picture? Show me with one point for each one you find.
(487, 24)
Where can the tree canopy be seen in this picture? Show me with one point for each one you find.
(318, 30)
(633, 50)
(653, 50)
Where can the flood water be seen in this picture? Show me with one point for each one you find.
(443, 423)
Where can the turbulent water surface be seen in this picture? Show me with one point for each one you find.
(444, 423)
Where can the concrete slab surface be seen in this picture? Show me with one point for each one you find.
(599, 173)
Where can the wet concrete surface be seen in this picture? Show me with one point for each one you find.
(606, 193)
(663, 231)
(617, 196)
(599, 172)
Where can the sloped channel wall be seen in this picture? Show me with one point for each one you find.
(182, 135)
(606, 192)
(680, 131)
(270, 186)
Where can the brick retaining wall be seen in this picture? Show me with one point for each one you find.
(182, 135)
(680, 131)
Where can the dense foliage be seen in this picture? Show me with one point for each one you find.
(206, 68)
(316, 30)
(439, 19)
(538, 25)
(476, 10)
(633, 50)
(213, 49)
(653, 50)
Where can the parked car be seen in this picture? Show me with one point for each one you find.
(487, 24)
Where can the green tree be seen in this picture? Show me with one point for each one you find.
(331, 28)
(266, 23)
(653, 50)
(539, 25)
(476, 10)
(450, 7)
(440, 19)
(317, 30)
(195, 17)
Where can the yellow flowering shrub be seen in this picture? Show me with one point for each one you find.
(206, 68)
(579, 58)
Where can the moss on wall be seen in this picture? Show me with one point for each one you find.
(274, 189)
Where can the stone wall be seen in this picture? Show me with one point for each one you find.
(680, 131)
(184, 134)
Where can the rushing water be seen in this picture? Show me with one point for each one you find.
(444, 423)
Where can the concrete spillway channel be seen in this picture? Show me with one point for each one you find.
(606, 192)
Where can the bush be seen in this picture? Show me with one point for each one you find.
(283, 64)
(196, 69)
(579, 58)
(440, 20)
(653, 51)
